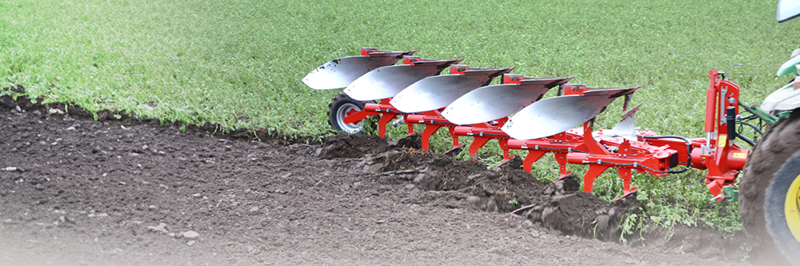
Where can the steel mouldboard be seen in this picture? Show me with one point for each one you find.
(432, 93)
(627, 127)
(340, 72)
(386, 82)
(558, 114)
(497, 101)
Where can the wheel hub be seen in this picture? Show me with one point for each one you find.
(343, 111)
(792, 208)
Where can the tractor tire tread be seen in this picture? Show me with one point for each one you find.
(779, 143)
(774, 208)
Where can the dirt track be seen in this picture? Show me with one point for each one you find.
(79, 192)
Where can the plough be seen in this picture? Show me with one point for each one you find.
(515, 114)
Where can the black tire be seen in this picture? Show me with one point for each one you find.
(782, 209)
(779, 144)
(338, 109)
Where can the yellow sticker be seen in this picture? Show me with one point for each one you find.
(740, 155)
(723, 140)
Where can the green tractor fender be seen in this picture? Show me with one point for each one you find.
(788, 97)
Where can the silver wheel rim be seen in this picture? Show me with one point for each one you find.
(341, 113)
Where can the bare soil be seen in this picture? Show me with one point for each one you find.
(75, 191)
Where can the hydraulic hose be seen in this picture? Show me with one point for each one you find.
(688, 150)
(748, 140)
(754, 127)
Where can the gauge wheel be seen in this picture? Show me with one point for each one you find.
(340, 107)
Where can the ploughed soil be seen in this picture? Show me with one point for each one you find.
(75, 191)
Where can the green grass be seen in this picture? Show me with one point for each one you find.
(239, 63)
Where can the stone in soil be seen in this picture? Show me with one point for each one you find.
(190, 234)
(160, 228)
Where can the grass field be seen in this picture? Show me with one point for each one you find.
(239, 63)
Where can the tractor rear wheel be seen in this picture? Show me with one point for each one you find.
(782, 208)
(774, 152)
(340, 107)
